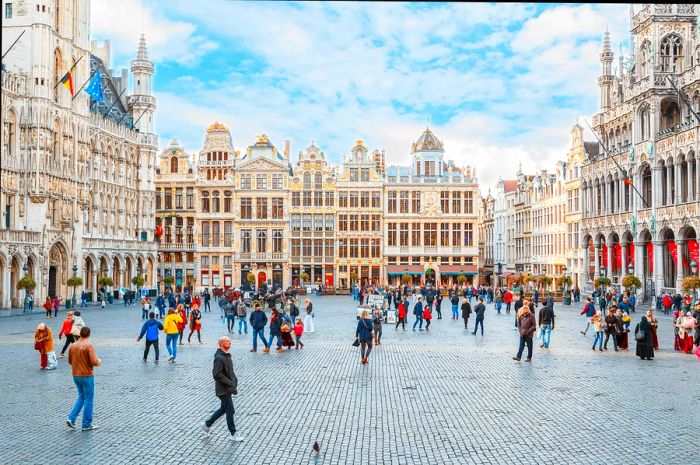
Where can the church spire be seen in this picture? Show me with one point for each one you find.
(143, 51)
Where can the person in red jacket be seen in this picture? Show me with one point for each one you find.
(298, 331)
(183, 324)
(508, 299)
(427, 316)
(66, 331)
(666, 303)
(402, 315)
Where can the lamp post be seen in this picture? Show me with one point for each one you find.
(75, 273)
(138, 273)
(25, 268)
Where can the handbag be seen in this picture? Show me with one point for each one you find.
(39, 345)
(357, 342)
(639, 335)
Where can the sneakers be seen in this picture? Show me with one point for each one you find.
(516, 359)
(237, 438)
(266, 350)
(528, 359)
(70, 424)
(279, 349)
(205, 429)
(61, 356)
(91, 428)
(253, 350)
(170, 359)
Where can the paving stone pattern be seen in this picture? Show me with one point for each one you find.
(438, 397)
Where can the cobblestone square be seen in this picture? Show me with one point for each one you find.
(438, 397)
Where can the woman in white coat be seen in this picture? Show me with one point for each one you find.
(308, 316)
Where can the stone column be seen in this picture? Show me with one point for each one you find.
(680, 244)
(691, 194)
(596, 259)
(610, 260)
(639, 260)
(658, 264)
(6, 286)
(669, 184)
(657, 187)
(677, 180)
(623, 271)
(697, 177)
(586, 261)
(94, 284)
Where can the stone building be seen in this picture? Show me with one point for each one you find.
(431, 217)
(486, 226)
(360, 211)
(547, 216)
(648, 226)
(520, 225)
(312, 219)
(78, 183)
(176, 212)
(503, 257)
(261, 216)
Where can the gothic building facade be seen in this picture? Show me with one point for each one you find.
(78, 176)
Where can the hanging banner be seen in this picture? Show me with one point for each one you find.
(617, 256)
(604, 252)
(650, 254)
(693, 254)
(630, 253)
(674, 251)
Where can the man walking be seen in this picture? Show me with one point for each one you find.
(454, 300)
(206, 297)
(479, 311)
(589, 311)
(507, 299)
(150, 328)
(83, 299)
(225, 384)
(610, 329)
(527, 328)
(82, 360)
(546, 322)
(418, 312)
(258, 320)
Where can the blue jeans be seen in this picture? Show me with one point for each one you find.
(479, 321)
(279, 340)
(171, 340)
(419, 322)
(84, 402)
(598, 339)
(83, 303)
(499, 305)
(243, 323)
(525, 341)
(261, 334)
(545, 335)
(455, 314)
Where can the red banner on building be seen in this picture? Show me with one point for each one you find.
(604, 252)
(617, 256)
(650, 254)
(630, 253)
(674, 251)
(693, 253)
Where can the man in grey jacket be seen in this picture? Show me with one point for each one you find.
(226, 384)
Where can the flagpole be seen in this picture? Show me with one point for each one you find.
(624, 173)
(144, 112)
(81, 87)
(71, 69)
(114, 103)
(13, 44)
(682, 96)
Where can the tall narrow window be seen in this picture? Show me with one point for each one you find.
(173, 165)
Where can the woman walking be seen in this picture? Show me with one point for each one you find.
(598, 326)
(66, 330)
(685, 332)
(363, 333)
(642, 334)
(195, 324)
(401, 309)
(56, 303)
(43, 342)
(48, 307)
(308, 316)
(377, 325)
(651, 319)
(171, 327)
(182, 324)
(622, 342)
(466, 312)
(275, 331)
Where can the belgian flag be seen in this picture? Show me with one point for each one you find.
(68, 82)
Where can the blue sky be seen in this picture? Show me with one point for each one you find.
(500, 84)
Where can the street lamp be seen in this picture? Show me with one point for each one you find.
(75, 273)
(693, 266)
(25, 268)
(630, 267)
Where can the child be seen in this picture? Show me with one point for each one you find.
(427, 316)
(298, 331)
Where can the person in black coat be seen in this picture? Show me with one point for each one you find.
(225, 384)
(466, 312)
(645, 347)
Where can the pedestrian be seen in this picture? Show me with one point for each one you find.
(546, 322)
(43, 342)
(150, 328)
(536, 297)
(696, 316)
(418, 312)
(56, 304)
(454, 300)
(66, 330)
(160, 303)
(171, 327)
(466, 312)
(438, 304)
(275, 331)
(242, 313)
(507, 299)
(427, 316)
(526, 327)
(685, 324)
(308, 316)
(401, 311)
(48, 307)
(286, 328)
(298, 332)
(258, 320)
(225, 385)
(230, 313)
(651, 319)
(666, 303)
(642, 334)
(622, 330)
(517, 306)
(293, 311)
(479, 311)
(195, 324)
(598, 326)
(83, 299)
(206, 297)
(589, 311)
(363, 333)
(183, 324)
(610, 328)
(78, 324)
(377, 326)
(82, 360)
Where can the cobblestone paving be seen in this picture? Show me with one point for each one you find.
(438, 397)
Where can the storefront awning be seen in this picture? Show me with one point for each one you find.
(458, 269)
(404, 269)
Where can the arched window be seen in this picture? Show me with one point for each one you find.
(215, 202)
(318, 181)
(173, 165)
(645, 66)
(205, 202)
(670, 114)
(644, 123)
(645, 173)
(11, 132)
(307, 180)
(56, 149)
(671, 54)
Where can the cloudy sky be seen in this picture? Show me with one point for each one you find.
(500, 84)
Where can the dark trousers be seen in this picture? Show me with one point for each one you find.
(523, 342)
(614, 339)
(508, 308)
(148, 347)
(199, 336)
(402, 322)
(226, 408)
(466, 322)
(230, 323)
(479, 321)
(427, 324)
(439, 311)
(207, 308)
(69, 340)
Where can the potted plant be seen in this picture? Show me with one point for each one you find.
(544, 281)
(106, 281)
(168, 282)
(631, 282)
(304, 277)
(73, 282)
(138, 281)
(690, 284)
(602, 281)
(405, 279)
(461, 279)
(27, 284)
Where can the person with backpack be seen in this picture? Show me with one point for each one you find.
(150, 329)
(589, 311)
(230, 313)
(77, 325)
(242, 313)
(454, 300)
(293, 312)
(418, 312)
(666, 303)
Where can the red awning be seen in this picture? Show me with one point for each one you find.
(444, 269)
(401, 269)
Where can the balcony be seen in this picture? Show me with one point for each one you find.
(676, 128)
(259, 256)
(166, 246)
(18, 236)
